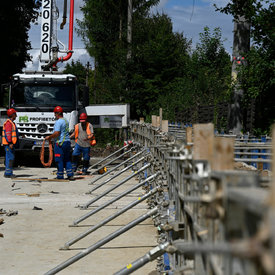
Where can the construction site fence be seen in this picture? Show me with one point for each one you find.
(215, 219)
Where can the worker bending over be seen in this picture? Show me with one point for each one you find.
(84, 138)
(62, 145)
(10, 140)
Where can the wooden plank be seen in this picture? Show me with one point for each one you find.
(223, 154)
(154, 121)
(189, 135)
(158, 121)
(160, 118)
(164, 126)
(203, 141)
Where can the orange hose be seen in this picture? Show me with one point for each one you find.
(42, 154)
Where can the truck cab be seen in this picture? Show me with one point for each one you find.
(34, 95)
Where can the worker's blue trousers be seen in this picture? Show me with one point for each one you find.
(9, 160)
(78, 150)
(63, 159)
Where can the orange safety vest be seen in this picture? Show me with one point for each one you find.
(88, 131)
(13, 133)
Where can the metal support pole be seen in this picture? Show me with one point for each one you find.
(148, 257)
(110, 218)
(240, 248)
(120, 164)
(103, 241)
(96, 164)
(84, 217)
(117, 174)
(85, 206)
(112, 160)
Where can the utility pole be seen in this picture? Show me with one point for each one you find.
(241, 45)
(95, 81)
(87, 73)
(129, 28)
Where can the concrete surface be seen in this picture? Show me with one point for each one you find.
(32, 238)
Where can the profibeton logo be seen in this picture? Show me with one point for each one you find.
(26, 119)
(23, 119)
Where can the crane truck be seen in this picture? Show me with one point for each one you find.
(34, 94)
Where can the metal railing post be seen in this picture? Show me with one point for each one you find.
(85, 206)
(103, 241)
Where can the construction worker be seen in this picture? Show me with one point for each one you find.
(62, 145)
(84, 138)
(10, 141)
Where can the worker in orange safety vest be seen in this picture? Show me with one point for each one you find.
(9, 141)
(84, 139)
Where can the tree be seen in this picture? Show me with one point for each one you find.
(258, 78)
(159, 57)
(77, 69)
(15, 19)
(104, 30)
(212, 67)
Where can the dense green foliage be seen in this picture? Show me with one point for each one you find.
(162, 71)
(258, 77)
(15, 19)
(77, 69)
(159, 68)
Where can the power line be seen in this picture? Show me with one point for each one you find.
(73, 49)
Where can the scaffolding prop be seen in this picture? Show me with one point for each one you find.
(112, 160)
(109, 156)
(117, 174)
(84, 217)
(116, 167)
(103, 241)
(111, 217)
(85, 206)
(148, 257)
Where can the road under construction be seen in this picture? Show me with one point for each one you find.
(176, 200)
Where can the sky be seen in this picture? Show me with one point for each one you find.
(188, 16)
